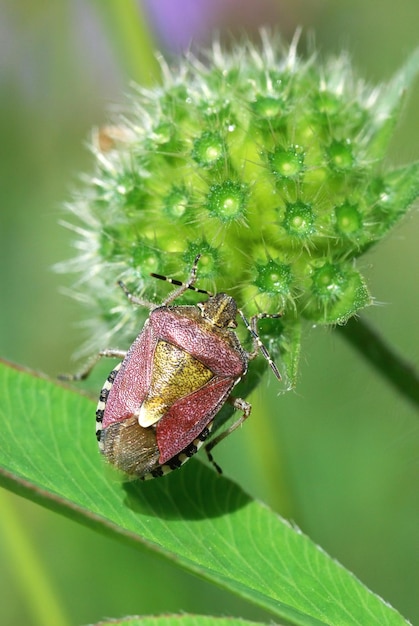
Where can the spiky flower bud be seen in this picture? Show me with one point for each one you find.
(268, 165)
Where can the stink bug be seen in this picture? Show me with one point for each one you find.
(157, 406)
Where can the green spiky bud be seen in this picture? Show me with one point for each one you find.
(268, 165)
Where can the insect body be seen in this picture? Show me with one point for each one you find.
(157, 406)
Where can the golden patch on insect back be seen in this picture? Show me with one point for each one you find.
(176, 374)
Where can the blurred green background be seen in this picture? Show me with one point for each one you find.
(339, 456)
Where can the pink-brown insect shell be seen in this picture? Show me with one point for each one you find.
(217, 348)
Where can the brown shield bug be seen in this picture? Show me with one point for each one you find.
(157, 406)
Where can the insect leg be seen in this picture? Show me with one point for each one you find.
(258, 346)
(135, 299)
(182, 287)
(240, 405)
(113, 354)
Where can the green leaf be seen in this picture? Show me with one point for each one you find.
(289, 350)
(177, 620)
(388, 105)
(202, 521)
(400, 190)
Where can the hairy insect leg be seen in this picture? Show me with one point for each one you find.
(240, 405)
(182, 287)
(136, 299)
(113, 354)
(258, 346)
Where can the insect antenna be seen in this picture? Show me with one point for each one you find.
(183, 286)
(179, 283)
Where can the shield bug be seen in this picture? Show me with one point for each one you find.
(157, 406)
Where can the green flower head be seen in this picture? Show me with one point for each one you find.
(268, 165)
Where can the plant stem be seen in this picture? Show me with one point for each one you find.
(132, 40)
(401, 374)
(37, 589)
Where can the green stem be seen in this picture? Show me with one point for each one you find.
(29, 572)
(394, 368)
(268, 457)
(132, 40)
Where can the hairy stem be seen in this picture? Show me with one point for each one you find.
(401, 374)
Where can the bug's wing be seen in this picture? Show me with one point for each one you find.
(131, 448)
(176, 374)
(187, 418)
(132, 381)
